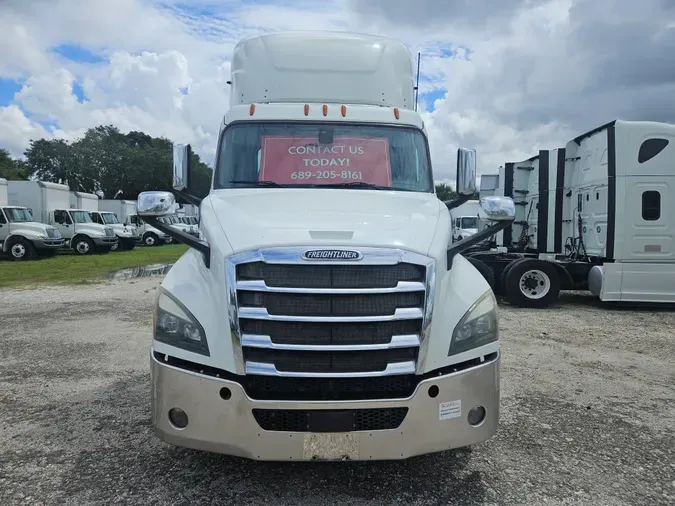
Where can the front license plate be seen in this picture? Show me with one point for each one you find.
(331, 447)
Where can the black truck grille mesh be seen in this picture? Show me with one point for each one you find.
(298, 313)
(291, 420)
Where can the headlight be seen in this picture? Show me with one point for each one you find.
(477, 327)
(176, 326)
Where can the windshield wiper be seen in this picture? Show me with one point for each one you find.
(357, 184)
(270, 184)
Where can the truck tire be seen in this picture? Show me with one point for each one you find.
(21, 249)
(532, 283)
(127, 244)
(506, 270)
(82, 245)
(150, 239)
(485, 270)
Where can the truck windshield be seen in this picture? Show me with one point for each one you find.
(18, 215)
(323, 155)
(469, 222)
(80, 216)
(110, 218)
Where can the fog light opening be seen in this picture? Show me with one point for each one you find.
(476, 415)
(433, 391)
(178, 418)
(225, 393)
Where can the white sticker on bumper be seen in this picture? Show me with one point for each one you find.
(447, 410)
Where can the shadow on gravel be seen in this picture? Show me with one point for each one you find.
(585, 299)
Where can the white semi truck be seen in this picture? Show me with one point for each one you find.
(22, 238)
(465, 219)
(597, 215)
(325, 312)
(150, 236)
(50, 203)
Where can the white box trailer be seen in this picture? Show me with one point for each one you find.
(51, 204)
(84, 201)
(607, 227)
(122, 208)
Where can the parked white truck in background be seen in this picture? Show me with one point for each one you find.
(149, 235)
(356, 328)
(465, 219)
(21, 238)
(603, 219)
(50, 203)
(127, 235)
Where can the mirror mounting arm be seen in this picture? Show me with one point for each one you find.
(474, 239)
(451, 204)
(188, 198)
(191, 241)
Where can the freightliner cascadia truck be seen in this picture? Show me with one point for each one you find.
(324, 312)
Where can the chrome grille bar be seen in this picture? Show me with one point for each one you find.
(271, 370)
(261, 286)
(260, 313)
(255, 341)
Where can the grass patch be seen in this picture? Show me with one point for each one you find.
(67, 268)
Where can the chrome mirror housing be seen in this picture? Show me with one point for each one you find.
(466, 171)
(498, 208)
(156, 203)
(181, 166)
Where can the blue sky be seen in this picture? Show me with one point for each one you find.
(161, 66)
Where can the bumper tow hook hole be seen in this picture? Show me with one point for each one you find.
(433, 391)
(225, 393)
(178, 418)
(476, 415)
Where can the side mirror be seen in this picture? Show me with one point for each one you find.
(182, 153)
(466, 171)
(498, 208)
(155, 203)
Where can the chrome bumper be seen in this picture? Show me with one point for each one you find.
(228, 426)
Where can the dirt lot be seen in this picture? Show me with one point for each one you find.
(588, 416)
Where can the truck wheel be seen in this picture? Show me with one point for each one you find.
(127, 245)
(485, 270)
(83, 246)
(21, 249)
(533, 283)
(150, 239)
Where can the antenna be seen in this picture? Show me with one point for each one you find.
(417, 85)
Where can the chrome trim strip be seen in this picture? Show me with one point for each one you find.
(429, 297)
(261, 286)
(263, 369)
(260, 313)
(258, 341)
(371, 256)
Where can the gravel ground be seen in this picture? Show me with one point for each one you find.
(588, 416)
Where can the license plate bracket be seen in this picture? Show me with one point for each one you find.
(330, 421)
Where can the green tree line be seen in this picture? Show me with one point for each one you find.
(104, 159)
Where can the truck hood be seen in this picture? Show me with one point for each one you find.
(32, 228)
(253, 218)
(91, 228)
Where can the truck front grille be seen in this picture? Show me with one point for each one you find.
(50, 233)
(296, 420)
(296, 318)
(109, 232)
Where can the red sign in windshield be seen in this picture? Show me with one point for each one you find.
(302, 160)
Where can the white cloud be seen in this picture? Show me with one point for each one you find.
(520, 75)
